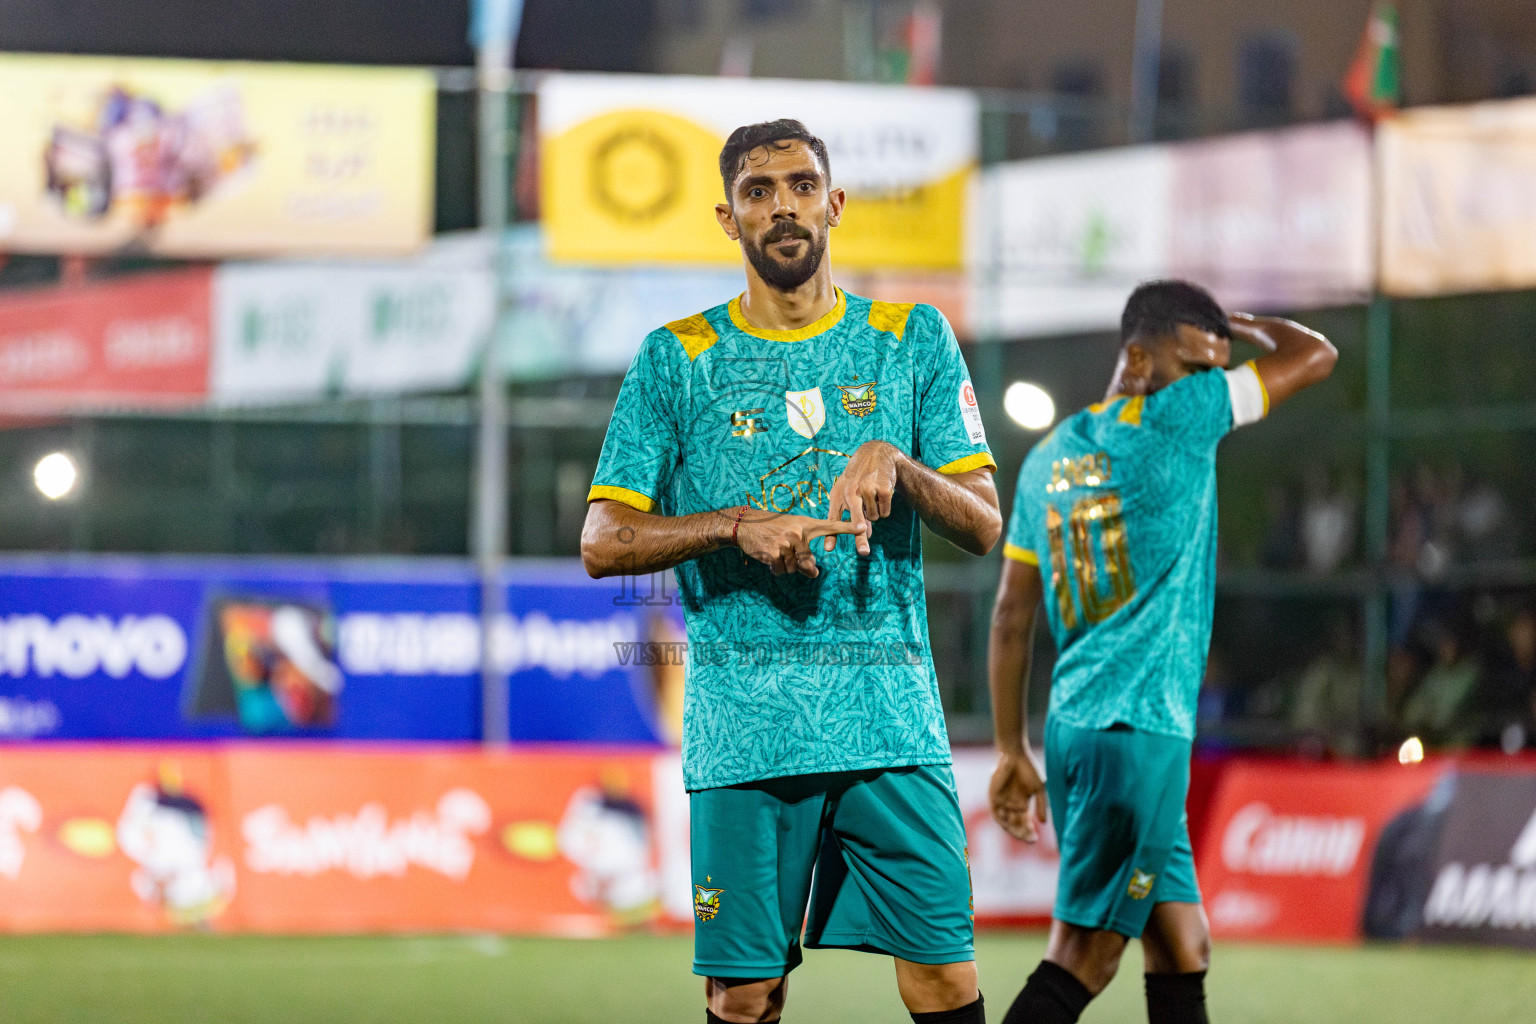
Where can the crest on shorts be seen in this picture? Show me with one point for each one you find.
(806, 411)
(706, 902)
(858, 399)
(1141, 884)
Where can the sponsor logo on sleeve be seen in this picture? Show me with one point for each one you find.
(970, 412)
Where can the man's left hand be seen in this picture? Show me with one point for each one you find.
(864, 489)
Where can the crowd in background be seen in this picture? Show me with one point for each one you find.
(1461, 657)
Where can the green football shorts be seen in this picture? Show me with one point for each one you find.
(1117, 799)
(886, 850)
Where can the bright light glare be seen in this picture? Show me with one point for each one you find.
(55, 475)
(1412, 751)
(1029, 405)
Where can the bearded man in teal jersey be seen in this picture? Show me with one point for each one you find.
(747, 441)
(1114, 530)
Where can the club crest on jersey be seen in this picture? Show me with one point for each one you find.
(806, 411)
(858, 399)
(706, 902)
(1141, 884)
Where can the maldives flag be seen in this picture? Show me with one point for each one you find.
(1373, 80)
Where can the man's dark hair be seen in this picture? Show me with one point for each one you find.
(1156, 308)
(773, 134)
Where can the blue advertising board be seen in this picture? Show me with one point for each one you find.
(106, 648)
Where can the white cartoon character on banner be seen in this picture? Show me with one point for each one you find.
(608, 837)
(166, 833)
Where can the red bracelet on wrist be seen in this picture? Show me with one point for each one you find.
(737, 524)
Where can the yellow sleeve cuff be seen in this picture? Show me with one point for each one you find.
(968, 463)
(1019, 554)
(634, 499)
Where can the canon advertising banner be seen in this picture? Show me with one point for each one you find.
(189, 649)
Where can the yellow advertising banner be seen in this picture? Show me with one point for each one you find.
(193, 158)
(630, 166)
(1458, 198)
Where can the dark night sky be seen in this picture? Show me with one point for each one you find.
(607, 35)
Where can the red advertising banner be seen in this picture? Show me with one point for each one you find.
(1287, 850)
(313, 840)
(142, 341)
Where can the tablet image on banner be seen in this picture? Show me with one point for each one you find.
(270, 665)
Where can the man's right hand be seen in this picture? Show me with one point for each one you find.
(1018, 796)
(783, 542)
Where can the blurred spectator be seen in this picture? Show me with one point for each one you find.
(1436, 709)
(1507, 699)
(1327, 523)
(1326, 701)
(1218, 698)
(1281, 548)
(1483, 526)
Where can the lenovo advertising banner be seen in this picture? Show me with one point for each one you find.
(203, 159)
(1458, 198)
(312, 839)
(136, 342)
(630, 165)
(190, 649)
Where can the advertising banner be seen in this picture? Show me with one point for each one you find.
(288, 331)
(242, 838)
(1288, 850)
(1270, 221)
(123, 649)
(1482, 880)
(565, 318)
(1058, 243)
(1458, 198)
(141, 341)
(1278, 220)
(194, 158)
(630, 165)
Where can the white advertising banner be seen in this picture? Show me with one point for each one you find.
(294, 331)
(630, 165)
(1458, 198)
(1270, 221)
(1057, 243)
(1275, 221)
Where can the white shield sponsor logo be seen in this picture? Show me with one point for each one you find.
(806, 411)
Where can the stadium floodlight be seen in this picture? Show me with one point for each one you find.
(56, 475)
(1029, 405)
(1411, 752)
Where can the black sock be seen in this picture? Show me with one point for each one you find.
(970, 1013)
(1176, 998)
(1053, 995)
(710, 1018)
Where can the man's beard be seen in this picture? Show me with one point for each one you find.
(787, 276)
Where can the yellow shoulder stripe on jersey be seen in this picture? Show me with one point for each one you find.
(1263, 388)
(695, 333)
(634, 499)
(1098, 407)
(969, 462)
(1131, 412)
(824, 324)
(1019, 554)
(890, 316)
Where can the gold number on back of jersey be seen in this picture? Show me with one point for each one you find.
(1100, 513)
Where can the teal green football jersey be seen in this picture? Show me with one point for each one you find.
(788, 675)
(1117, 506)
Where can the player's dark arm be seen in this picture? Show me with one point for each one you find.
(1017, 791)
(1295, 357)
(960, 507)
(617, 540)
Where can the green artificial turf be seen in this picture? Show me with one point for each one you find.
(645, 980)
